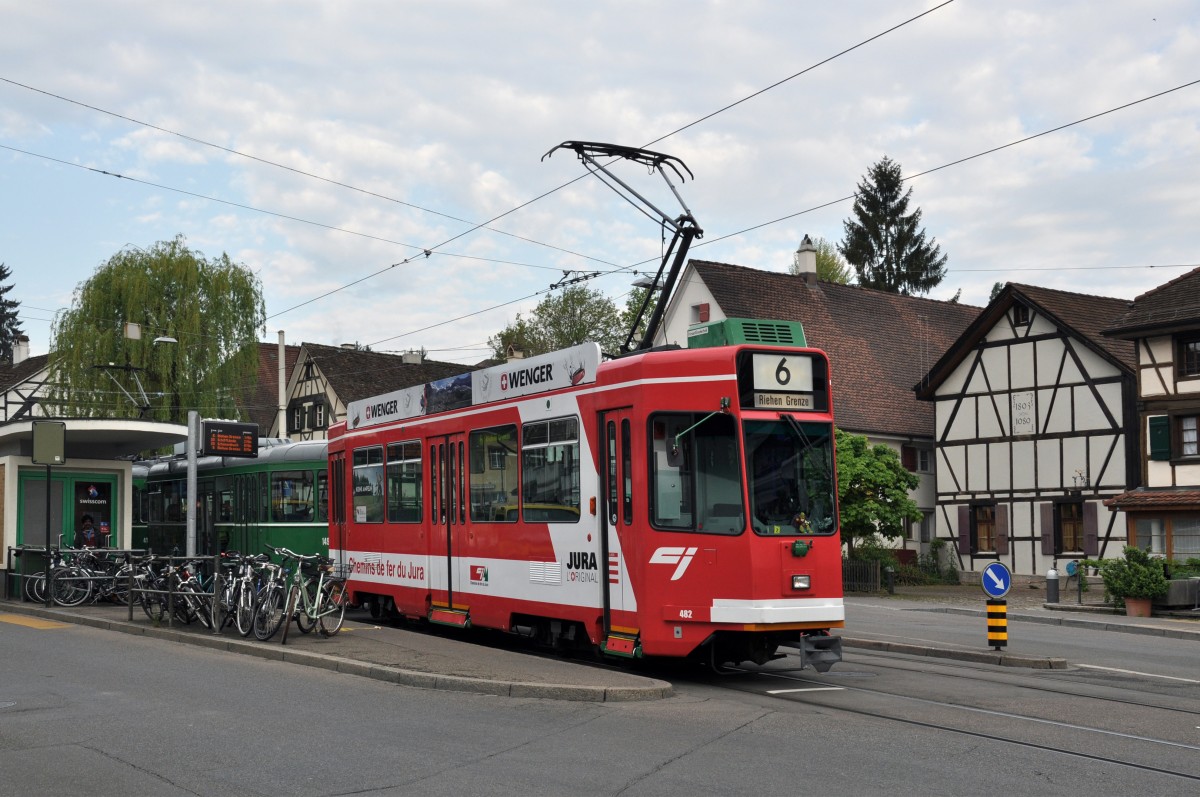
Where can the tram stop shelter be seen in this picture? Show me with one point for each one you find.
(95, 480)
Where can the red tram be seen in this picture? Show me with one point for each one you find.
(671, 502)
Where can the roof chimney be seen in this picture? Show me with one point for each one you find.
(412, 358)
(20, 349)
(806, 261)
(514, 353)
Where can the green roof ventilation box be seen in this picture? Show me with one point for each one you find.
(735, 331)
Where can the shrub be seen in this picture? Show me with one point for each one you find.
(1135, 576)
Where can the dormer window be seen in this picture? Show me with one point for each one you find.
(1020, 315)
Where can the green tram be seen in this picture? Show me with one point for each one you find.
(279, 499)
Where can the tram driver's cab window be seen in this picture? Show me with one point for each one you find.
(695, 477)
(792, 485)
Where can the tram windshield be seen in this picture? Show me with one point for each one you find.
(792, 487)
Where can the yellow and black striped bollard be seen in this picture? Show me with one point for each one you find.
(997, 623)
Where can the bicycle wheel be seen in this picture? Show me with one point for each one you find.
(35, 587)
(293, 600)
(244, 603)
(119, 591)
(268, 616)
(305, 621)
(153, 603)
(199, 605)
(333, 607)
(70, 586)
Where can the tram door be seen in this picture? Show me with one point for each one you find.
(244, 535)
(448, 506)
(618, 547)
(336, 511)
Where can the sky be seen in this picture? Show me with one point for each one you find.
(328, 145)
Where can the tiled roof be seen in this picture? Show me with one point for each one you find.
(1086, 315)
(1081, 315)
(261, 402)
(1145, 498)
(355, 374)
(13, 375)
(1175, 304)
(879, 344)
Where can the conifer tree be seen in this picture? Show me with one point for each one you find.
(10, 324)
(884, 242)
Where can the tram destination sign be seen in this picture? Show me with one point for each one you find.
(228, 439)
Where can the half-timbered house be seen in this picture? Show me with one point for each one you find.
(1032, 405)
(1164, 324)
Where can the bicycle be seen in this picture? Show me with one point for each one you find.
(270, 601)
(312, 599)
(90, 578)
(316, 598)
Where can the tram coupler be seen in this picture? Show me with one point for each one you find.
(818, 651)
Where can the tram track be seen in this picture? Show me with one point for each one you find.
(1006, 678)
(817, 688)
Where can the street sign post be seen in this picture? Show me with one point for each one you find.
(997, 581)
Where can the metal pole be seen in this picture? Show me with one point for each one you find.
(49, 558)
(193, 443)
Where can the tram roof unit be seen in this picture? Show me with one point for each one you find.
(271, 450)
(577, 366)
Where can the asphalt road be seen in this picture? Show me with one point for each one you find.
(84, 710)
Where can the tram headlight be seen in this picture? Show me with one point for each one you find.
(801, 582)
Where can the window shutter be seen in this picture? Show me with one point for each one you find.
(1001, 529)
(1160, 438)
(908, 457)
(1091, 530)
(964, 530)
(1047, 516)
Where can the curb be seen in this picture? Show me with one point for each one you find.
(997, 658)
(655, 690)
(1097, 625)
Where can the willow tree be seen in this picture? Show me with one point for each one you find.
(156, 333)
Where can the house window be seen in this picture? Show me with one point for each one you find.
(917, 460)
(1187, 436)
(983, 527)
(320, 416)
(700, 313)
(297, 419)
(927, 527)
(1020, 315)
(1069, 522)
(1189, 356)
(921, 529)
(1174, 536)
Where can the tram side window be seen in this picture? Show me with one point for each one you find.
(550, 471)
(404, 487)
(696, 480)
(323, 496)
(170, 508)
(368, 484)
(494, 478)
(292, 496)
(224, 499)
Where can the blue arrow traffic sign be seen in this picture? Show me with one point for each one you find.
(997, 580)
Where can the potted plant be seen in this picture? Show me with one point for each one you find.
(1134, 581)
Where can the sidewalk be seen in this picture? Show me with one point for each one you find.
(395, 655)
